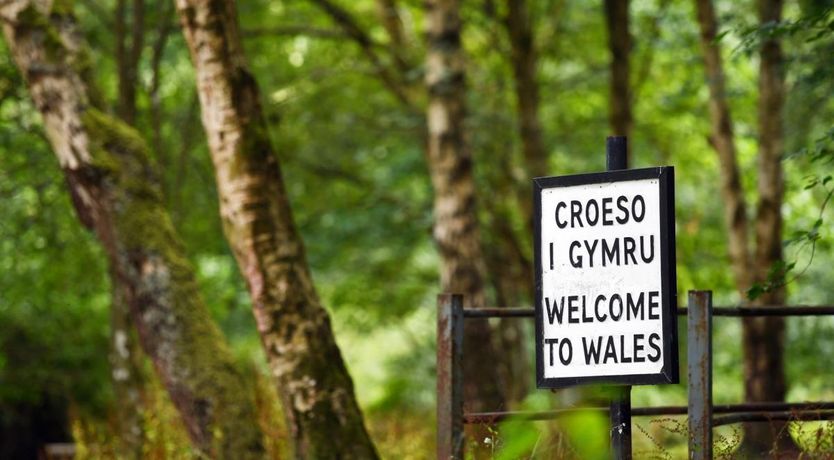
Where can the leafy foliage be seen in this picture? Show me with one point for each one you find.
(353, 162)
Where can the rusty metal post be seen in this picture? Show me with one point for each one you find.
(449, 376)
(616, 157)
(699, 354)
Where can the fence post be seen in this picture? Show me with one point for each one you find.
(449, 376)
(699, 354)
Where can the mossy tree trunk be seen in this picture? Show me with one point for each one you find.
(115, 189)
(125, 356)
(315, 387)
(126, 374)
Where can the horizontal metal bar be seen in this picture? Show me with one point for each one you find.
(769, 416)
(776, 310)
(799, 310)
(499, 312)
(496, 417)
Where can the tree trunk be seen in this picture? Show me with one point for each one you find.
(763, 338)
(619, 42)
(721, 138)
(315, 387)
(128, 55)
(764, 368)
(115, 190)
(456, 230)
(126, 374)
(125, 359)
(524, 62)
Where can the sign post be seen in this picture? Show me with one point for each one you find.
(616, 158)
(605, 282)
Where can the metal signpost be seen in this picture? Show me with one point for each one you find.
(605, 282)
(601, 241)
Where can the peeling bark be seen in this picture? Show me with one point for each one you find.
(115, 190)
(316, 390)
(456, 231)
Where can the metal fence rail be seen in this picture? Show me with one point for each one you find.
(700, 409)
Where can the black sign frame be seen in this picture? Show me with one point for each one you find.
(669, 373)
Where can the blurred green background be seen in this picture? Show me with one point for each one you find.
(354, 166)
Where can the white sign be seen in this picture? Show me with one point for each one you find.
(605, 269)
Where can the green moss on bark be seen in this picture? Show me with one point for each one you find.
(144, 230)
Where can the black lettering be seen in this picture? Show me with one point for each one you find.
(554, 310)
(606, 211)
(621, 200)
(610, 351)
(610, 253)
(611, 307)
(638, 348)
(592, 350)
(551, 342)
(591, 222)
(642, 208)
(575, 261)
(551, 256)
(565, 361)
(643, 246)
(632, 308)
(575, 213)
(572, 309)
(655, 346)
(560, 223)
(654, 305)
(586, 318)
(591, 250)
(623, 355)
(629, 245)
(600, 298)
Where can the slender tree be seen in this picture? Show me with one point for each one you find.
(128, 54)
(316, 390)
(763, 338)
(619, 43)
(524, 60)
(115, 191)
(456, 229)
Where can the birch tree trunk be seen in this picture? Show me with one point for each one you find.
(115, 190)
(763, 338)
(619, 43)
(456, 230)
(314, 384)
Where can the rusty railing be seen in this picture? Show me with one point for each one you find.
(699, 312)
